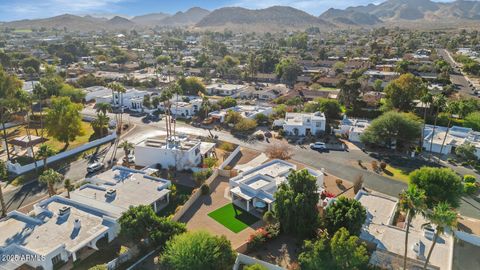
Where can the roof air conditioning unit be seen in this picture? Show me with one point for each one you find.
(111, 192)
(65, 210)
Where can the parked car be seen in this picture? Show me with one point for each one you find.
(318, 146)
(95, 167)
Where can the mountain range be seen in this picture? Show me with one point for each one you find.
(412, 12)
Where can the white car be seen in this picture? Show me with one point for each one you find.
(94, 167)
(130, 158)
(318, 146)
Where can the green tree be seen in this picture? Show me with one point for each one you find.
(100, 124)
(403, 91)
(473, 121)
(331, 108)
(349, 92)
(412, 201)
(288, 70)
(3, 178)
(245, 125)
(347, 251)
(444, 218)
(50, 177)
(466, 151)
(377, 85)
(191, 86)
(141, 223)
(67, 184)
(347, 213)
(227, 102)
(31, 62)
(315, 254)
(393, 127)
(296, 204)
(255, 267)
(119, 89)
(127, 148)
(44, 152)
(439, 184)
(198, 250)
(163, 59)
(63, 120)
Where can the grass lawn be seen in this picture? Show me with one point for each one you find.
(396, 173)
(234, 218)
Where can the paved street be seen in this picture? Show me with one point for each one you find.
(338, 163)
(456, 77)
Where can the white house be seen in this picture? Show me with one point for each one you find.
(246, 111)
(56, 232)
(183, 109)
(99, 94)
(255, 188)
(380, 230)
(59, 229)
(455, 137)
(224, 89)
(183, 153)
(132, 99)
(353, 128)
(303, 124)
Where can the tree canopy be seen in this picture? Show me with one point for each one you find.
(141, 222)
(296, 204)
(439, 184)
(473, 121)
(191, 86)
(63, 120)
(288, 70)
(198, 250)
(391, 127)
(347, 213)
(403, 91)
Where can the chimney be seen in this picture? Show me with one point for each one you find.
(77, 224)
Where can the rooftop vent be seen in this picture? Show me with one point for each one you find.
(111, 192)
(77, 224)
(65, 210)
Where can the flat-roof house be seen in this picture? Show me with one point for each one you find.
(132, 99)
(455, 137)
(254, 188)
(380, 232)
(246, 111)
(184, 109)
(353, 128)
(182, 152)
(57, 231)
(303, 124)
(222, 89)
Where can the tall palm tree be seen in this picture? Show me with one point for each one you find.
(44, 152)
(67, 184)
(127, 147)
(177, 90)
(449, 110)
(103, 108)
(444, 218)
(439, 102)
(119, 89)
(50, 177)
(425, 99)
(412, 201)
(165, 98)
(100, 123)
(205, 106)
(3, 178)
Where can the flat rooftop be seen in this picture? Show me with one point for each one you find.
(181, 143)
(131, 189)
(47, 230)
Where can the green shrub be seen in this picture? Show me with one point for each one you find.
(201, 176)
(255, 267)
(226, 146)
(470, 188)
(205, 189)
(467, 178)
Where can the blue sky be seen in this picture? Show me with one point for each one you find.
(28, 9)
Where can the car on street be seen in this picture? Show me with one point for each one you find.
(130, 158)
(94, 167)
(318, 146)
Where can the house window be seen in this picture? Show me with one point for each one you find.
(318, 124)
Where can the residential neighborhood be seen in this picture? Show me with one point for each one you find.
(247, 136)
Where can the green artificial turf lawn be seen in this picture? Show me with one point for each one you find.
(234, 218)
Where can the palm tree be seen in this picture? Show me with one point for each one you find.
(50, 178)
(120, 89)
(3, 178)
(205, 106)
(100, 123)
(44, 152)
(127, 147)
(449, 111)
(67, 184)
(439, 101)
(425, 99)
(103, 108)
(445, 219)
(165, 97)
(412, 201)
(177, 90)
